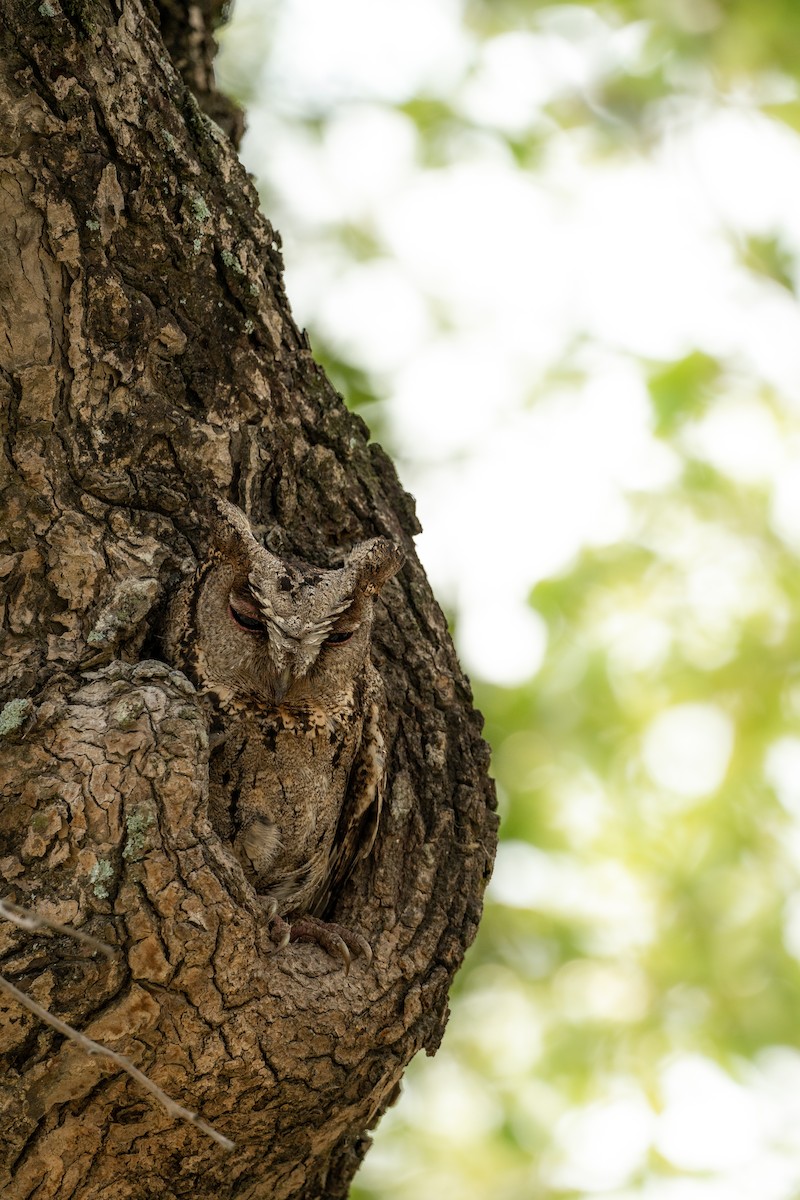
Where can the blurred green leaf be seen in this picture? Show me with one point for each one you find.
(682, 389)
(771, 257)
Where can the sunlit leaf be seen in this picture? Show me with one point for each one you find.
(682, 389)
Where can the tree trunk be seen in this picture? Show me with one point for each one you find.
(149, 360)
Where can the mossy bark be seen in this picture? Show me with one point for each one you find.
(149, 359)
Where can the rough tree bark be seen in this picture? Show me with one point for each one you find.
(148, 358)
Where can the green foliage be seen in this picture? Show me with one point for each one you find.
(682, 389)
(643, 914)
(769, 256)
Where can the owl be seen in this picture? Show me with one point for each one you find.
(282, 651)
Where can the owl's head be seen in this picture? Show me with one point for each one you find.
(279, 631)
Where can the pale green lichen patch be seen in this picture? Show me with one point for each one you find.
(100, 874)
(46, 9)
(232, 262)
(14, 715)
(137, 823)
(92, 224)
(200, 209)
(127, 609)
(127, 711)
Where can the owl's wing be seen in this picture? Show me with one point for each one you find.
(358, 823)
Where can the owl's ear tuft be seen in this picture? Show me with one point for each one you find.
(231, 533)
(374, 562)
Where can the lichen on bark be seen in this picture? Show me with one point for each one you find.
(150, 360)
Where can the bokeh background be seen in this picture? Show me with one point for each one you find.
(550, 252)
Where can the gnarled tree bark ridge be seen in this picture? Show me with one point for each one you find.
(149, 359)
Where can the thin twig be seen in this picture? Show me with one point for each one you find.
(25, 918)
(29, 920)
(80, 1039)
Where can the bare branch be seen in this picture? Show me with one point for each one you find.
(80, 1039)
(25, 918)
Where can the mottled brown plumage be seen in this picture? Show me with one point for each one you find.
(283, 651)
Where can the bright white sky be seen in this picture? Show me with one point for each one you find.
(589, 261)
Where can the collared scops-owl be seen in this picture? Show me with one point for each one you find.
(282, 650)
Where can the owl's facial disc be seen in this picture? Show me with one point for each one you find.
(290, 634)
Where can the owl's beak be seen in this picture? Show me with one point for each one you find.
(282, 685)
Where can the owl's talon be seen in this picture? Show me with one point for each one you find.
(338, 948)
(364, 948)
(336, 939)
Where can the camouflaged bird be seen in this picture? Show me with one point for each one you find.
(297, 773)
